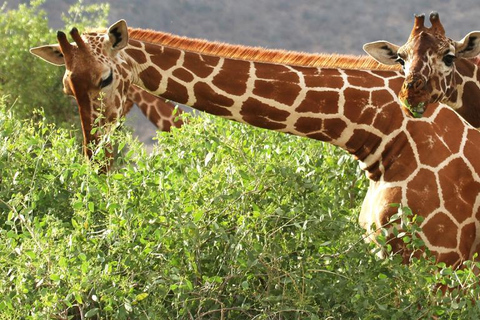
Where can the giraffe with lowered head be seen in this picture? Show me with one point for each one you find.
(159, 111)
(429, 164)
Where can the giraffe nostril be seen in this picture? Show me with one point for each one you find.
(416, 84)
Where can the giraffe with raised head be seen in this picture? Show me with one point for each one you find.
(437, 68)
(162, 113)
(429, 164)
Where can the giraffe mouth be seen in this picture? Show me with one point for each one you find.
(415, 111)
(414, 103)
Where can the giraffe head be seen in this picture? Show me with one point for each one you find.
(430, 62)
(95, 74)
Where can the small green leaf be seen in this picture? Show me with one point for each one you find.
(141, 296)
(54, 277)
(91, 313)
(78, 205)
(197, 215)
(31, 254)
(118, 176)
(62, 262)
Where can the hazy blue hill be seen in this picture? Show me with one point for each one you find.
(306, 25)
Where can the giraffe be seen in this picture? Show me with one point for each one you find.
(430, 164)
(437, 69)
(159, 111)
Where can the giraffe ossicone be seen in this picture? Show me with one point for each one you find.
(437, 68)
(430, 164)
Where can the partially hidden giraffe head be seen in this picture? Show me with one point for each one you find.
(429, 62)
(96, 75)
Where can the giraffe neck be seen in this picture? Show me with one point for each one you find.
(160, 112)
(465, 95)
(352, 109)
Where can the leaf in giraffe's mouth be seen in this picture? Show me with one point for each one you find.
(417, 111)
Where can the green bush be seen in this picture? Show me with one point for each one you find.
(220, 221)
(28, 81)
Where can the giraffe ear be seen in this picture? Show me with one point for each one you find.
(382, 51)
(118, 35)
(50, 53)
(468, 47)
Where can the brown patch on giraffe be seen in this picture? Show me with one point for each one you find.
(137, 96)
(334, 127)
(449, 258)
(211, 101)
(233, 81)
(328, 78)
(396, 84)
(431, 149)
(386, 198)
(468, 234)
(441, 231)
(183, 75)
(137, 55)
(379, 97)
(459, 189)
(390, 119)
(398, 160)
(275, 72)
(177, 91)
(154, 116)
(422, 192)
(373, 171)
(254, 108)
(362, 143)
(165, 59)
(308, 124)
(201, 66)
(325, 102)
(165, 112)
(449, 127)
(464, 67)
(471, 108)
(472, 149)
(148, 98)
(134, 43)
(151, 78)
(282, 92)
(117, 101)
(364, 79)
(357, 107)
(166, 125)
(458, 81)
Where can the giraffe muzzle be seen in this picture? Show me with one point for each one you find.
(414, 96)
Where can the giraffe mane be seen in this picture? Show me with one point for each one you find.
(259, 54)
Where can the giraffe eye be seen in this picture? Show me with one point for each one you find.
(400, 61)
(449, 59)
(107, 81)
